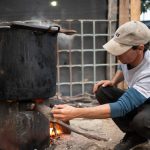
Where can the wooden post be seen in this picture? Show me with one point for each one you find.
(124, 11)
(135, 9)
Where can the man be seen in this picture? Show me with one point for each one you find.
(129, 109)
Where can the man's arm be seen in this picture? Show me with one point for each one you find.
(118, 77)
(66, 112)
(130, 100)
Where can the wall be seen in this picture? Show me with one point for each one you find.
(66, 9)
(82, 61)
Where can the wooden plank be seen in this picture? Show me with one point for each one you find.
(124, 11)
(135, 9)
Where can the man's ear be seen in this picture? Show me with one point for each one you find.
(141, 47)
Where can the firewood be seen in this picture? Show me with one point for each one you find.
(46, 111)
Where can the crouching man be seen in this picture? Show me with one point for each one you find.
(129, 109)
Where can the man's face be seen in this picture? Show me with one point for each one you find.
(131, 56)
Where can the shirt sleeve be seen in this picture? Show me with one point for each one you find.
(119, 67)
(130, 100)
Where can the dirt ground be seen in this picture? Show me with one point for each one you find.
(102, 128)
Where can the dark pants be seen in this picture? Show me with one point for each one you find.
(137, 121)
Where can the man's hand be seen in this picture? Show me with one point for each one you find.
(102, 83)
(64, 112)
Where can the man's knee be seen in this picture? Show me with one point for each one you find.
(100, 91)
(108, 94)
(103, 94)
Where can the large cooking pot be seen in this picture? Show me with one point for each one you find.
(27, 61)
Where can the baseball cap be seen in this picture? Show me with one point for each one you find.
(130, 34)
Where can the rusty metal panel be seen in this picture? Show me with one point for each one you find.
(21, 129)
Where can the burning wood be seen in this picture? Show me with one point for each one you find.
(55, 129)
(45, 110)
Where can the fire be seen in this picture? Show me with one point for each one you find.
(55, 130)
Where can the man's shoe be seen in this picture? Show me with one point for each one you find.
(129, 141)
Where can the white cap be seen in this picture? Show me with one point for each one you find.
(130, 34)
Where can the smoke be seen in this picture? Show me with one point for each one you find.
(65, 41)
(40, 22)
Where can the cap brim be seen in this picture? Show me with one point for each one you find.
(116, 48)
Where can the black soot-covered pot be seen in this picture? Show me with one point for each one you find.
(27, 61)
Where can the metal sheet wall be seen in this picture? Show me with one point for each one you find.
(65, 9)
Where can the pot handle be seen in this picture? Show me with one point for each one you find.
(51, 29)
(60, 30)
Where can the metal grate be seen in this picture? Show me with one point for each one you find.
(82, 61)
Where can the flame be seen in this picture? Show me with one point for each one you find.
(55, 132)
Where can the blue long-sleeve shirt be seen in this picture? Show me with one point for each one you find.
(130, 100)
